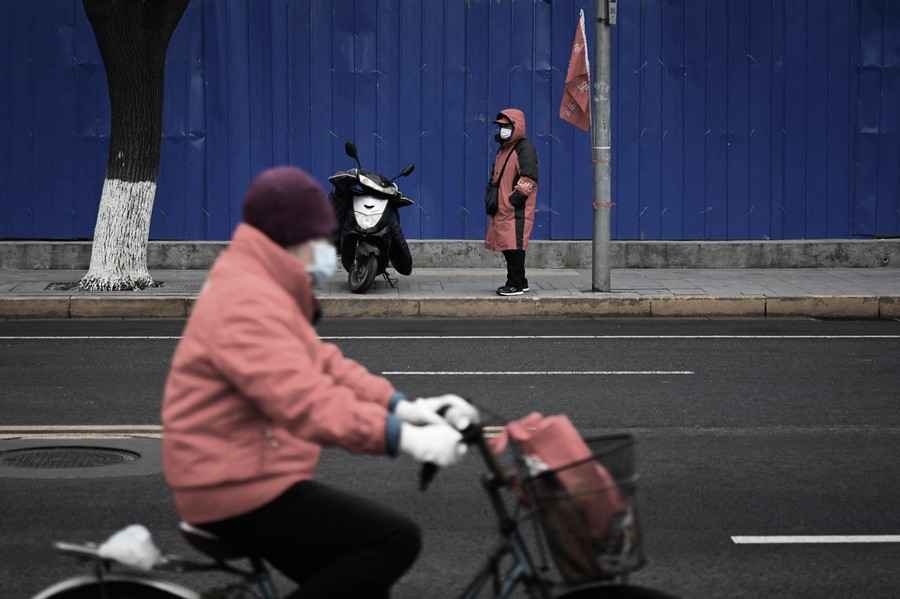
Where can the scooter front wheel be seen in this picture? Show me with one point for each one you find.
(362, 273)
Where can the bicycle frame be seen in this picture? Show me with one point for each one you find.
(522, 570)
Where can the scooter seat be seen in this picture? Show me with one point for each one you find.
(209, 544)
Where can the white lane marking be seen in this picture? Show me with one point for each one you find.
(152, 429)
(80, 431)
(798, 539)
(145, 431)
(533, 372)
(91, 338)
(619, 337)
(456, 337)
(611, 337)
(81, 428)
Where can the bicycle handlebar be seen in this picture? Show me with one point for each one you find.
(471, 435)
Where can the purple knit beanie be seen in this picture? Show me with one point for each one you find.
(289, 206)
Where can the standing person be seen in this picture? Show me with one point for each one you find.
(515, 173)
(253, 395)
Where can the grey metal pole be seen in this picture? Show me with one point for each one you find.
(601, 143)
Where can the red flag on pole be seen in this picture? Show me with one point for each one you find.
(575, 107)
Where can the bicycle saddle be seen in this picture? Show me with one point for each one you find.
(207, 543)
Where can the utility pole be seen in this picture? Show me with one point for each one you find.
(601, 142)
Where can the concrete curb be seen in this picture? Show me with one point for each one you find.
(824, 307)
(468, 253)
(128, 307)
(34, 307)
(889, 307)
(722, 307)
(603, 305)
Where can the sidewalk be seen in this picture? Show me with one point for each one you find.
(469, 293)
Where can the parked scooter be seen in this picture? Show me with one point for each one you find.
(369, 237)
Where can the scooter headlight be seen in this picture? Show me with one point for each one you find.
(367, 210)
(367, 221)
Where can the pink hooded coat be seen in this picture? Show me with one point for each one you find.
(253, 393)
(508, 230)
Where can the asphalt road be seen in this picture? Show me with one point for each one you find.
(746, 427)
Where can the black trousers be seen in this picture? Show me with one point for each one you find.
(331, 543)
(515, 268)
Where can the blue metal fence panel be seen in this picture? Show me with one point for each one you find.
(731, 119)
(760, 171)
(672, 141)
(694, 119)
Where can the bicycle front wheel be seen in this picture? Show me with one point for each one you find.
(618, 591)
(116, 587)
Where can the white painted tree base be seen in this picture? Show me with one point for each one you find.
(119, 250)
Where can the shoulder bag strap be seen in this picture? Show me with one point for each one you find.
(505, 162)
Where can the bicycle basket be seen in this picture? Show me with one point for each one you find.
(588, 514)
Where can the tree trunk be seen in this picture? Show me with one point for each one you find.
(133, 36)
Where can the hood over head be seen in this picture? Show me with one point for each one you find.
(517, 117)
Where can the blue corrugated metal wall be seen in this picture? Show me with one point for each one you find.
(733, 119)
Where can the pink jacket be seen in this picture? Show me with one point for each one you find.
(253, 393)
(510, 228)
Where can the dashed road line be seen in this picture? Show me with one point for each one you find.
(535, 372)
(469, 337)
(89, 338)
(80, 431)
(809, 539)
(603, 337)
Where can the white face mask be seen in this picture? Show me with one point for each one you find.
(324, 261)
(505, 132)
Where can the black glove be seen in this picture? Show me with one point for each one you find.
(518, 199)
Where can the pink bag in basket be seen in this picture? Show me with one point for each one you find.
(551, 443)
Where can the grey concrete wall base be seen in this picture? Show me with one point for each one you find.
(810, 253)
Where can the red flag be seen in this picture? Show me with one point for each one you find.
(575, 107)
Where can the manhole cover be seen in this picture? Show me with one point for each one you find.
(66, 457)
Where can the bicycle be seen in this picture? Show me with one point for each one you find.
(517, 496)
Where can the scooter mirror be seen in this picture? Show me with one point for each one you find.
(407, 171)
(350, 149)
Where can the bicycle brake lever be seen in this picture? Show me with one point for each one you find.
(426, 475)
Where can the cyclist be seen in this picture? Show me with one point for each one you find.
(253, 394)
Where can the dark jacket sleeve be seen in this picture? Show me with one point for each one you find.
(528, 160)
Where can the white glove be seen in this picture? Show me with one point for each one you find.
(414, 412)
(132, 546)
(435, 443)
(461, 413)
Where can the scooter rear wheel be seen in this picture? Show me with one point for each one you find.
(362, 274)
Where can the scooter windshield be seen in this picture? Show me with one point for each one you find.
(368, 210)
